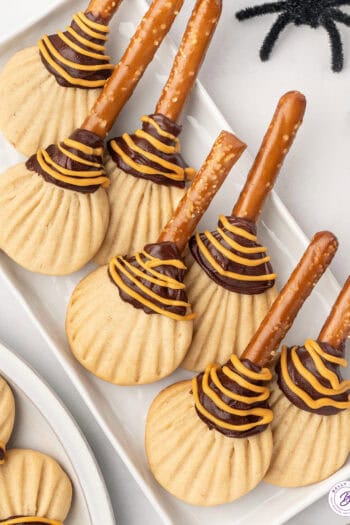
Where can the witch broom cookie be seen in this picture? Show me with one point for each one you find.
(54, 209)
(230, 282)
(311, 404)
(7, 417)
(47, 90)
(147, 172)
(34, 489)
(209, 440)
(130, 322)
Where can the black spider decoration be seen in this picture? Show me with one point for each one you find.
(314, 13)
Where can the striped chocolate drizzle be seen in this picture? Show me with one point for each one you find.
(152, 280)
(232, 398)
(152, 152)
(309, 376)
(75, 163)
(77, 56)
(232, 257)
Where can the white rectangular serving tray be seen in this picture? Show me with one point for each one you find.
(121, 411)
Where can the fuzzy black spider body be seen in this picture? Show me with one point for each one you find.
(314, 13)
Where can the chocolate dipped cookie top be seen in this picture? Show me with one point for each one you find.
(232, 256)
(152, 152)
(310, 377)
(76, 57)
(232, 399)
(30, 520)
(152, 280)
(76, 163)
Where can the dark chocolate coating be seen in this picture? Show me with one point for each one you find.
(234, 285)
(163, 251)
(72, 55)
(167, 125)
(305, 385)
(236, 388)
(87, 138)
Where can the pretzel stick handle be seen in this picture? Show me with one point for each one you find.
(275, 146)
(337, 326)
(103, 9)
(224, 154)
(189, 58)
(284, 310)
(139, 53)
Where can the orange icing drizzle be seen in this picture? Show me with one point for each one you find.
(76, 177)
(2, 447)
(121, 266)
(91, 29)
(232, 256)
(262, 394)
(168, 169)
(31, 519)
(317, 354)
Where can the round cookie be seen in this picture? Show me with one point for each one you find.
(33, 103)
(48, 229)
(311, 404)
(47, 90)
(34, 485)
(196, 464)
(230, 281)
(7, 417)
(117, 342)
(134, 197)
(307, 447)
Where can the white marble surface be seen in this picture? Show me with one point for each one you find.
(315, 186)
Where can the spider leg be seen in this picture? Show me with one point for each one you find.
(264, 9)
(339, 16)
(336, 3)
(336, 43)
(272, 36)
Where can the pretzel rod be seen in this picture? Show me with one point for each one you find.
(282, 313)
(224, 154)
(103, 9)
(189, 58)
(275, 146)
(139, 53)
(337, 326)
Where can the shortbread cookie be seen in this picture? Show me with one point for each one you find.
(209, 441)
(47, 90)
(311, 404)
(53, 210)
(231, 283)
(7, 417)
(130, 322)
(148, 174)
(195, 463)
(133, 198)
(33, 485)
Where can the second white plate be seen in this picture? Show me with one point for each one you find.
(42, 423)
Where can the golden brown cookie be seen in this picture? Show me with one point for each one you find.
(34, 485)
